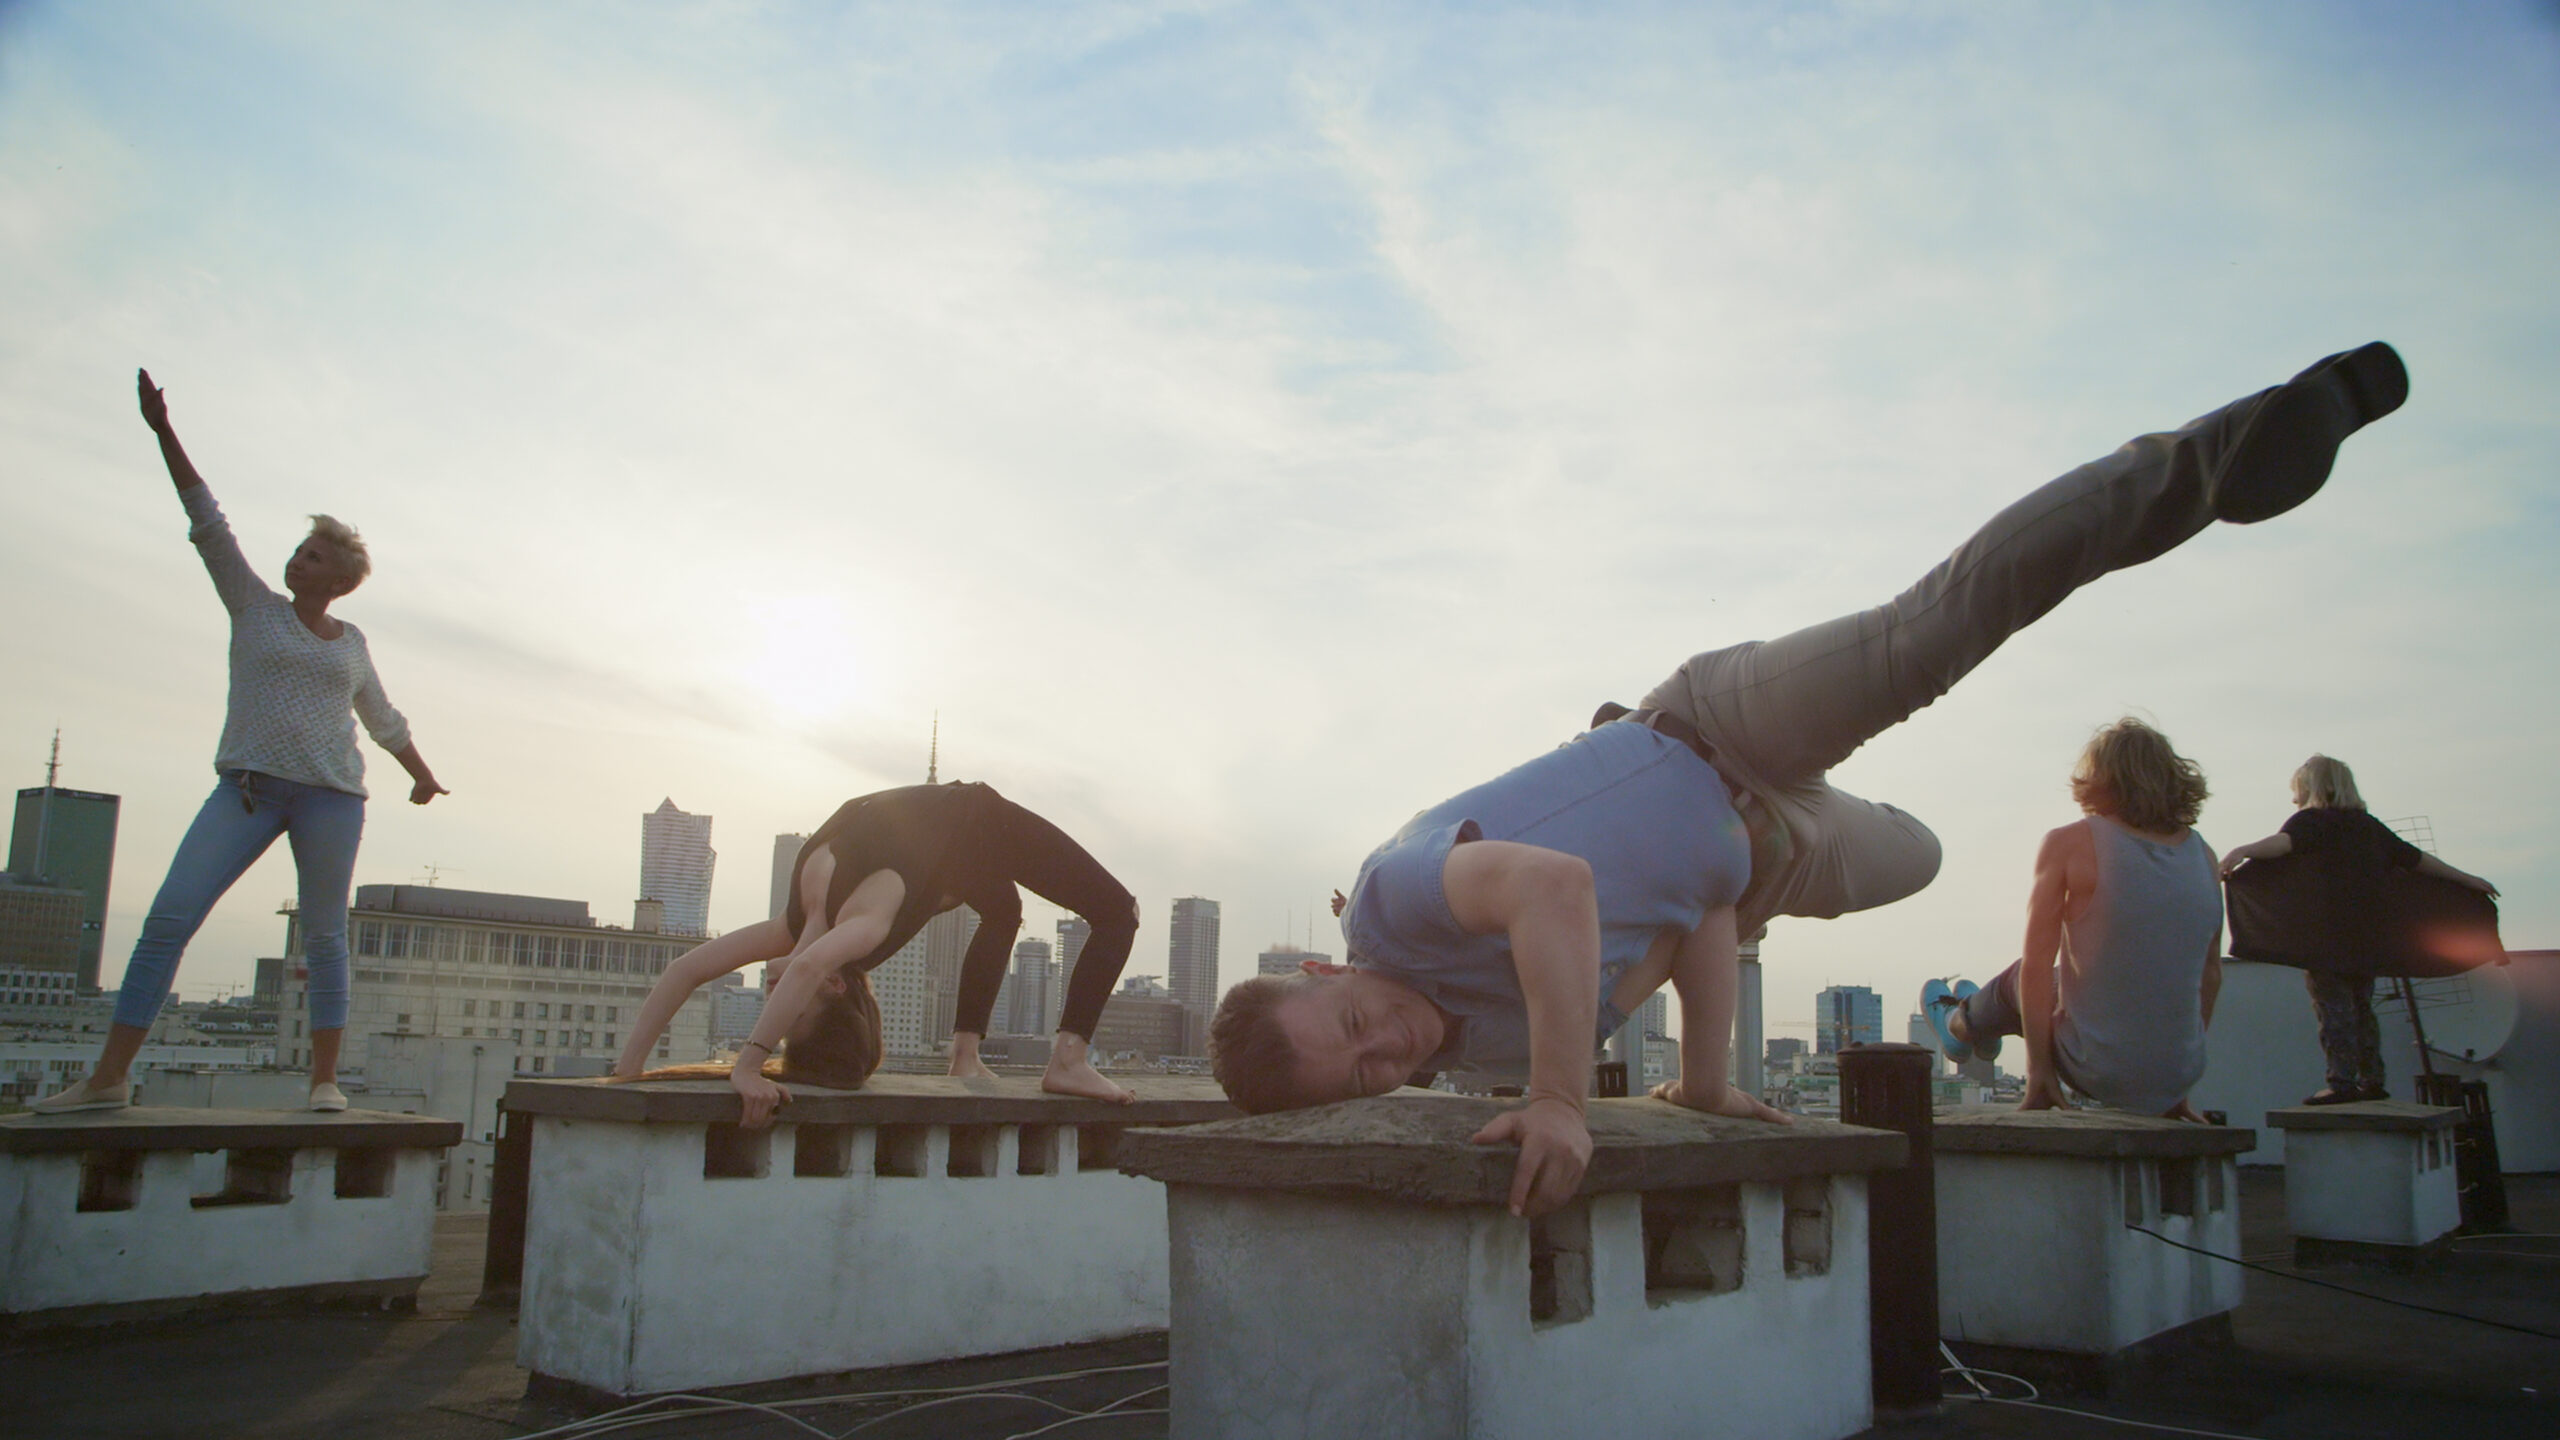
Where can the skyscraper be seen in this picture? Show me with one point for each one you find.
(946, 943)
(1847, 1015)
(675, 867)
(1191, 963)
(66, 840)
(1072, 933)
(1024, 1006)
(905, 993)
(786, 851)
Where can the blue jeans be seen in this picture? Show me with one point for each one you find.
(243, 816)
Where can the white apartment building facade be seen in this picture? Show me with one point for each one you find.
(537, 974)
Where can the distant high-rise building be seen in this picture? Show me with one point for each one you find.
(1284, 958)
(734, 1012)
(786, 852)
(1782, 1052)
(1847, 1015)
(1191, 964)
(946, 943)
(1654, 1016)
(1024, 1008)
(1072, 933)
(40, 928)
(65, 840)
(904, 990)
(675, 867)
(1924, 1035)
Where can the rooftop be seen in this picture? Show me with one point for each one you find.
(2305, 1361)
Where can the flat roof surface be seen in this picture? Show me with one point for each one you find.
(2008, 1130)
(887, 1098)
(179, 1127)
(2304, 1364)
(1417, 1146)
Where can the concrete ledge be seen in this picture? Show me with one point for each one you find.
(2089, 1134)
(2402, 1115)
(1413, 1146)
(918, 1220)
(145, 1127)
(883, 1100)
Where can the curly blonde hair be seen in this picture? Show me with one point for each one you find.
(341, 539)
(2129, 773)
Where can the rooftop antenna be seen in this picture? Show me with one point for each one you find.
(44, 808)
(933, 754)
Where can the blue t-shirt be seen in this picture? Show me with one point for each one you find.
(1652, 819)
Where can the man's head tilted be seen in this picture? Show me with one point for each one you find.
(1326, 1033)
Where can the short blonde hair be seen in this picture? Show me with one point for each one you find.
(2129, 772)
(354, 563)
(2326, 784)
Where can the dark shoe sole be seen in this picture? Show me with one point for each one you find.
(2287, 446)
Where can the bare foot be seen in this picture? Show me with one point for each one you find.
(971, 1068)
(1078, 1077)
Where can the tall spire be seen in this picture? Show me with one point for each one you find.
(932, 755)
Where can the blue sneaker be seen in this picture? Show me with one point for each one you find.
(1984, 1050)
(1937, 1002)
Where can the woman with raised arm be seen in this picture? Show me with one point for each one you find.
(2353, 855)
(864, 884)
(300, 677)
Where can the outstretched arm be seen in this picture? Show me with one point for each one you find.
(1707, 976)
(422, 781)
(155, 413)
(2430, 865)
(689, 972)
(1544, 901)
(2274, 845)
(861, 924)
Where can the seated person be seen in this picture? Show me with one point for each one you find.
(1490, 931)
(2124, 940)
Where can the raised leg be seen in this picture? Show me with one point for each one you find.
(1786, 710)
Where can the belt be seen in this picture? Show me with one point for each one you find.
(1670, 726)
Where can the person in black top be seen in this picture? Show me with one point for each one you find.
(2330, 820)
(864, 884)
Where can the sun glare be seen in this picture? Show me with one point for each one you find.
(801, 656)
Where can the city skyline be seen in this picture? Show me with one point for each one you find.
(1245, 428)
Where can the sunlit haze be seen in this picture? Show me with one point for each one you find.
(1245, 426)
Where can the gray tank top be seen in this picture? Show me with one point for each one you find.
(2131, 1031)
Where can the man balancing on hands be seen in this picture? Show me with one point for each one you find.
(1519, 922)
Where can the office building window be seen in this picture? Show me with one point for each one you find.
(470, 1007)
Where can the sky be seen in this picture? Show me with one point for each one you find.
(1245, 425)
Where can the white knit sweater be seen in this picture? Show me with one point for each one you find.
(291, 691)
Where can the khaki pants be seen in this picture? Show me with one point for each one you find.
(1782, 712)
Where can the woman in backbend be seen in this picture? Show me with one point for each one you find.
(864, 884)
(289, 767)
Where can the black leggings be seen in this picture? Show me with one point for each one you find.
(1013, 847)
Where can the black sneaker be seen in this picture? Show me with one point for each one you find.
(2288, 443)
